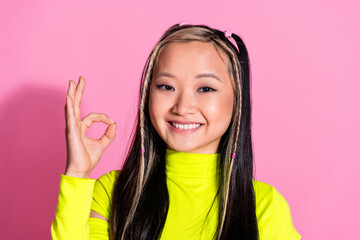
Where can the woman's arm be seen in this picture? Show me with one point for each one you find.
(72, 219)
(83, 153)
(281, 224)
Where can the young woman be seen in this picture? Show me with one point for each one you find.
(188, 173)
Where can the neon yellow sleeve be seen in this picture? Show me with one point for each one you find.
(73, 209)
(282, 226)
(103, 193)
(273, 214)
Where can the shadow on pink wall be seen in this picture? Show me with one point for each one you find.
(33, 154)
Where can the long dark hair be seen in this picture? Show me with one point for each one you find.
(140, 198)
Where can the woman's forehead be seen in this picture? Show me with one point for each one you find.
(189, 56)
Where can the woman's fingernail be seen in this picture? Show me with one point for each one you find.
(111, 120)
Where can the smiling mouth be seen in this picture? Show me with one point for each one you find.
(186, 126)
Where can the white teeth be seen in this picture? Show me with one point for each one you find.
(186, 126)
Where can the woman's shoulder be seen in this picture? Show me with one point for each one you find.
(105, 183)
(102, 193)
(273, 212)
(268, 197)
(263, 191)
(108, 178)
(262, 187)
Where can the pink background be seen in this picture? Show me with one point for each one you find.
(305, 89)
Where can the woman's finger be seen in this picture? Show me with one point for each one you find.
(109, 135)
(71, 91)
(96, 117)
(69, 112)
(66, 103)
(78, 96)
(66, 110)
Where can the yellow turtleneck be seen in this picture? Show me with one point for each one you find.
(192, 181)
(192, 185)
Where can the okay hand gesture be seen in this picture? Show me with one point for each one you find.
(83, 153)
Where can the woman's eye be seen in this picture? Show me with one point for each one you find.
(169, 88)
(207, 89)
(164, 87)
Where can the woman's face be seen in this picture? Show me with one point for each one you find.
(191, 97)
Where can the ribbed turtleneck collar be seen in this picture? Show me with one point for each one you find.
(191, 165)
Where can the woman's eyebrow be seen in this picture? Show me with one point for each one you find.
(208, 75)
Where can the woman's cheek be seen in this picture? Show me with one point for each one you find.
(219, 111)
(159, 105)
(217, 105)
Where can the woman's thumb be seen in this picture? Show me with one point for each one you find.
(109, 135)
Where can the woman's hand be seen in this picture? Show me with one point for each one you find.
(83, 153)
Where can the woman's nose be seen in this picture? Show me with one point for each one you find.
(185, 104)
